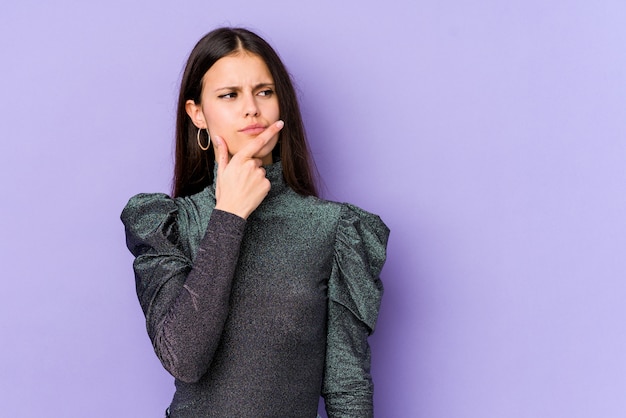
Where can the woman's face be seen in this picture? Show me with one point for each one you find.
(238, 102)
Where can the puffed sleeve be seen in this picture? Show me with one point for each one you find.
(355, 292)
(185, 301)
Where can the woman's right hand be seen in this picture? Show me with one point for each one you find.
(241, 184)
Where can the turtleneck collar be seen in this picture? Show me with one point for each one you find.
(273, 172)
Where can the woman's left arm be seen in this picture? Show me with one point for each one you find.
(354, 293)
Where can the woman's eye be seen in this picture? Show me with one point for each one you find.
(228, 96)
(267, 92)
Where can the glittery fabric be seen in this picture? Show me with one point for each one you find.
(256, 318)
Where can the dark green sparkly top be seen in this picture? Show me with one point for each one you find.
(256, 318)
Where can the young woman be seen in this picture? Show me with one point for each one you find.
(258, 295)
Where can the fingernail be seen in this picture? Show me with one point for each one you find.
(280, 124)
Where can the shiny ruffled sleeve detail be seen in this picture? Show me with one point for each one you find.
(152, 236)
(355, 291)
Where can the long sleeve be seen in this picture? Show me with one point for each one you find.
(355, 292)
(185, 301)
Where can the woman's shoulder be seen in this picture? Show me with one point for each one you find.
(352, 214)
(348, 220)
(357, 224)
(149, 201)
(161, 204)
(346, 212)
(145, 209)
(188, 215)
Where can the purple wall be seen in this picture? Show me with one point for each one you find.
(490, 136)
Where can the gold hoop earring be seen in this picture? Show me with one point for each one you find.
(208, 144)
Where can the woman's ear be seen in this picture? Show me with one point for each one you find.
(195, 114)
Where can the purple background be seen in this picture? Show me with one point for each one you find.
(490, 136)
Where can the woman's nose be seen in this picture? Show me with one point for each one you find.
(250, 106)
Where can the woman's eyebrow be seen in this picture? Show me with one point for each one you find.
(238, 88)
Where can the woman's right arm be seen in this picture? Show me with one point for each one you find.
(186, 304)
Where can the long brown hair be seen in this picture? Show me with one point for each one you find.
(193, 169)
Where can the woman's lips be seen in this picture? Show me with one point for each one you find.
(253, 129)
